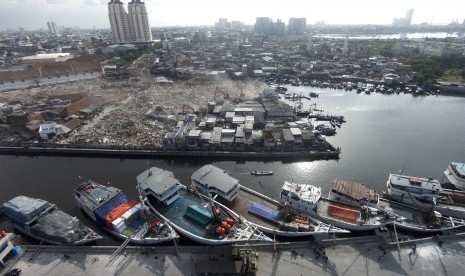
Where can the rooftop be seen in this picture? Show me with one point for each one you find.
(156, 179)
(214, 176)
(425, 183)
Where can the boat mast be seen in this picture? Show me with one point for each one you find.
(141, 200)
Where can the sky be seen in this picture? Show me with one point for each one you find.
(34, 14)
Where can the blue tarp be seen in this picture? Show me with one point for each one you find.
(102, 212)
(264, 212)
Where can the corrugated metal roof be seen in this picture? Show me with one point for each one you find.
(354, 190)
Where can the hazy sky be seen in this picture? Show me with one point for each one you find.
(34, 14)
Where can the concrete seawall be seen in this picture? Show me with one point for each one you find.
(138, 153)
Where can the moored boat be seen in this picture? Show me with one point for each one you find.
(260, 173)
(274, 218)
(351, 191)
(126, 219)
(455, 173)
(192, 214)
(307, 199)
(43, 221)
(422, 193)
(405, 217)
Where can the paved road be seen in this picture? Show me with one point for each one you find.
(362, 258)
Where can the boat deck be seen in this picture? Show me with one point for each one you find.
(176, 214)
(415, 218)
(246, 198)
(242, 204)
(348, 213)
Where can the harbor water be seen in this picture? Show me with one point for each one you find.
(383, 134)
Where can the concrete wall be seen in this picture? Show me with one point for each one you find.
(47, 81)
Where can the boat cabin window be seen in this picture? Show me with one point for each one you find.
(284, 193)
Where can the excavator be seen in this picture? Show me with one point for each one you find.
(221, 92)
(187, 109)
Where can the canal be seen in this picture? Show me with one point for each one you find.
(383, 134)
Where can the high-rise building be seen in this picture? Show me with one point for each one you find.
(222, 25)
(52, 27)
(118, 21)
(263, 25)
(138, 20)
(297, 25)
(408, 17)
(404, 22)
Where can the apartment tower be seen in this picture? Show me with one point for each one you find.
(138, 20)
(52, 27)
(118, 21)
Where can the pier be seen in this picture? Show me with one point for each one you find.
(351, 256)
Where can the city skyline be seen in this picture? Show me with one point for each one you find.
(34, 14)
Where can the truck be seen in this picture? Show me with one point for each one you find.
(243, 262)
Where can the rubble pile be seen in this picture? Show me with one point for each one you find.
(142, 65)
(145, 111)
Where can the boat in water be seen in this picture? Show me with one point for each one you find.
(274, 218)
(455, 173)
(307, 198)
(192, 214)
(404, 216)
(422, 193)
(260, 173)
(43, 221)
(126, 219)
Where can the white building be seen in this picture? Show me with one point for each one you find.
(138, 20)
(118, 21)
(52, 57)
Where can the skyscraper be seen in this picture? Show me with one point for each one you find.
(138, 20)
(408, 17)
(52, 27)
(118, 21)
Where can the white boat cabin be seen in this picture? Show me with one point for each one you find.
(160, 183)
(302, 197)
(422, 189)
(213, 180)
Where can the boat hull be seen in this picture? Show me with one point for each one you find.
(247, 197)
(188, 229)
(323, 212)
(140, 241)
(44, 222)
(415, 219)
(52, 242)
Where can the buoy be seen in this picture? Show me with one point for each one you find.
(230, 222)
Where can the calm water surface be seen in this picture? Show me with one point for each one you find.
(383, 134)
